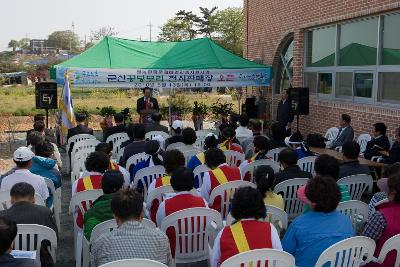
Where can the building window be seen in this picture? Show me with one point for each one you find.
(325, 83)
(310, 81)
(358, 42)
(363, 83)
(389, 86)
(391, 40)
(344, 84)
(285, 67)
(321, 47)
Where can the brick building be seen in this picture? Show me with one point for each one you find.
(346, 51)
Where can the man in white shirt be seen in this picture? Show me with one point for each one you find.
(242, 131)
(23, 159)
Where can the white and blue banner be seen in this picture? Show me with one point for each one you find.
(155, 78)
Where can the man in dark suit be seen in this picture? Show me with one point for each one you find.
(380, 142)
(147, 102)
(25, 211)
(118, 128)
(8, 232)
(346, 132)
(156, 126)
(288, 160)
(350, 164)
(284, 112)
(393, 155)
(81, 127)
(137, 145)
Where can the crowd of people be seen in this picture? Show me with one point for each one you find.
(317, 228)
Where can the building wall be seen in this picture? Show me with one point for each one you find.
(268, 23)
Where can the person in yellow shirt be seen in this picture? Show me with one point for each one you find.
(265, 178)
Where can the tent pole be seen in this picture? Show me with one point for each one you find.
(169, 108)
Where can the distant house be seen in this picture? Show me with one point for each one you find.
(11, 78)
(41, 46)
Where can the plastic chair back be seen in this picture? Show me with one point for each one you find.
(293, 206)
(260, 257)
(251, 167)
(332, 133)
(199, 172)
(234, 158)
(176, 145)
(134, 159)
(134, 263)
(116, 140)
(307, 164)
(150, 135)
(5, 200)
(362, 140)
(146, 176)
(87, 197)
(357, 185)
(392, 243)
(157, 194)
(273, 153)
(87, 145)
(56, 201)
(357, 211)
(188, 154)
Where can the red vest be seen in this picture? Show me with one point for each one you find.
(391, 212)
(87, 183)
(160, 181)
(244, 236)
(229, 145)
(177, 203)
(231, 174)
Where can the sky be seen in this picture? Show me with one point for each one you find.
(37, 19)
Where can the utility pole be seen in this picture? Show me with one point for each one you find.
(150, 26)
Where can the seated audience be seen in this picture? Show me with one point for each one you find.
(350, 164)
(242, 131)
(313, 232)
(211, 141)
(278, 135)
(131, 240)
(247, 143)
(49, 133)
(25, 211)
(107, 149)
(36, 137)
(8, 232)
(96, 164)
(101, 210)
(118, 128)
(233, 120)
(383, 187)
(384, 223)
(173, 159)
(264, 178)
(247, 208)
(289, 167)
(393, 155)
(219, 174)
(380, 142)
(137, 145)
(130, 132)
(153, 158)
(156, 125)
(80, 128)
(296, 142)
(23, 159)
(176, 132)
(229, 141)
(182, 181)
(346, 132)
(261, 148)
(189, 137)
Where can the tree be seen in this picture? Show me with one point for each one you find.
(174, 30)
(102, 32)
(229, 29)
(13, 44)
(24, 43)
(190, 21)
(206, 23)
(67, 40)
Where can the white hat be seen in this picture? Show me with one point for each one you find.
(177, 124)
(23, 154)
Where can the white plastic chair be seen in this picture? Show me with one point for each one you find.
(307, 164)
(146, 176)
(204, 133)
(76, 138)
(157, 194)
(78, 163)
(392, 243)
(332, 133)
(5, 200)
(260, 257)
(225, 193)
(357, 185)
(234, 158)
(362, 140)
(30, 236)
(199, 172)
(56, 201)
(176, 145)
(134, 263)
(199, 143)
(197, 226)
(356, 210)
(150, 135)
(250, 168)
(188, 154)
(134, 159)
(350, 252)
(83, 147)
(293, 206)
(116, 140)
(273, 153)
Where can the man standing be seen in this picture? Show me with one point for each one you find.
(346, 132)
(146, 103)
(284, 113)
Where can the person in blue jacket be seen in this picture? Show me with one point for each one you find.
(211, 141)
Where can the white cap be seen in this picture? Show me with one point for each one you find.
(177, 124)
(23, 154)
